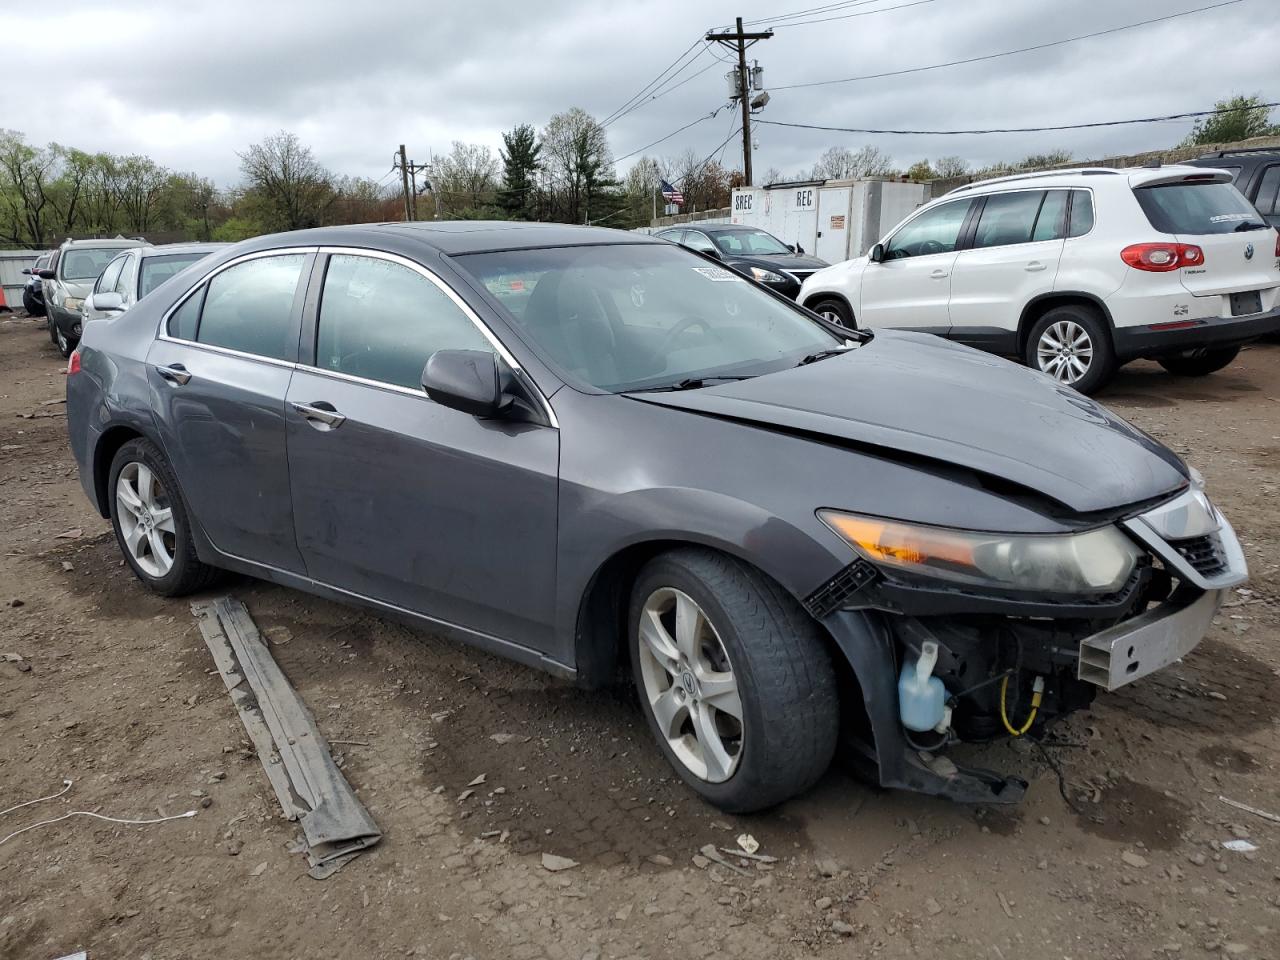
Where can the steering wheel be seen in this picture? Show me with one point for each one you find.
(930, 246)
(680, 328)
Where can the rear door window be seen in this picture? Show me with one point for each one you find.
(249, 307)
(381, 320)
(1051, 221)
(183, 321)
(1008, 218)
(1081, 213)
(1196, 208)
(1268, 200)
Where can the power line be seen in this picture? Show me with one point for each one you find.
(662, 93)
(655, 81)
(848, 16)
(1009, 53)
(1069, 126)
(701, 119)
(822, 9)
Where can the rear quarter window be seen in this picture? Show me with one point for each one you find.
(1196, 208)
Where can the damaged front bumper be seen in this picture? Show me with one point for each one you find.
(1193, 558)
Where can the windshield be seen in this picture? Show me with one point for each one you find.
(1198, 208)
(746, 243)
(645, 316)
(156, 270)
(86, 263)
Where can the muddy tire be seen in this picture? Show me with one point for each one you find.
(151, 522)
(735, 679)
(1198, 363)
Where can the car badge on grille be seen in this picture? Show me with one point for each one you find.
(1248, 251)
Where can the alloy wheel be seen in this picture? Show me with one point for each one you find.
(690, 685)
(831, 316)
(1065, 351)
(146, 519)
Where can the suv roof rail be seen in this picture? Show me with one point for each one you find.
(1237, 152)
(1036, 175)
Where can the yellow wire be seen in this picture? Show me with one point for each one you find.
(1004, 716)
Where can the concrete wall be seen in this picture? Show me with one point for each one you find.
(1172, 155)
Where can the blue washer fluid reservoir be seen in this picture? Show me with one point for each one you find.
(921, 696)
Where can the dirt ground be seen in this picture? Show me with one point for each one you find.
(115, 691)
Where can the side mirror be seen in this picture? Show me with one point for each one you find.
(712, 252)
(45, 274)
(106, 302)
(466, 380)
(877, 253)
(26, 271)
(791, 247)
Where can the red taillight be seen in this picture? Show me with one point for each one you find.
(73, 363)
(1162, 257)
(1278, 243)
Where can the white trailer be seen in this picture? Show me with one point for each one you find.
(834, 220)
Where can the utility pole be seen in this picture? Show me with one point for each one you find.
(404, 181)
(739, 41)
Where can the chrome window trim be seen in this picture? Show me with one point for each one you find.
(228, 352)
(498, 347)
(162, 332)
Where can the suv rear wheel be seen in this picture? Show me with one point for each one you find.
(1071, 343)
(734, 677)
(1198, 363)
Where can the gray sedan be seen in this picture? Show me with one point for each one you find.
(603, 455)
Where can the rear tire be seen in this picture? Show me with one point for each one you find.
(1198, 363)
(752, 649)
(834, 310)
(151, 522)
(1072, 344)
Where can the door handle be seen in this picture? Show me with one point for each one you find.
(175, 373)
(939, 275)
(1034, 265)
(321, 417)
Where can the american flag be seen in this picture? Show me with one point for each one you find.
(671, 194)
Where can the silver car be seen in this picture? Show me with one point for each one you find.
(136, 272)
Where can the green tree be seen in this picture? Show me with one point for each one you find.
(1245, 117)
(578, 166)
(521, 160)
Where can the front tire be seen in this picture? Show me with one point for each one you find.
(1198, 363)
(734, 678)
(66, 345)
(834, 310)
(1072, 344)
(151, 522)
(34, 307)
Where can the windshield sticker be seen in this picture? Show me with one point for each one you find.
(1220, 218)
(719, 274)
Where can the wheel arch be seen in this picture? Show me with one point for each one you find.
(813, 298)
(104, 451)
(1038, 306)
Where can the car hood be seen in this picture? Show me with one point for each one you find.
(783, 261)
(921, 396)
(77, 288)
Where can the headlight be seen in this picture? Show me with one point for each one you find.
(73, 303)
(1098, 561)
(767, 276)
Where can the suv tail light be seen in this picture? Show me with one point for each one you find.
(73, 362)
(1162, 257)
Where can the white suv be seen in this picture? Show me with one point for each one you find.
(1074, 272)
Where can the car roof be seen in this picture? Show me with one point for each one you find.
(171, 249)
(105, 243)
(451, 237)
(1079, 176)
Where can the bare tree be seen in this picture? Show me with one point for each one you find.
(293, 188)
(467, 177)
(577, 163)
(841, 163)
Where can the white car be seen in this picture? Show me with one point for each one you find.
(136, 272)
(1074, 272)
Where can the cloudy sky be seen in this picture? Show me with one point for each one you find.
(356, 79)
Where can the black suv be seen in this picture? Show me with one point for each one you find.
(1256, 174)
